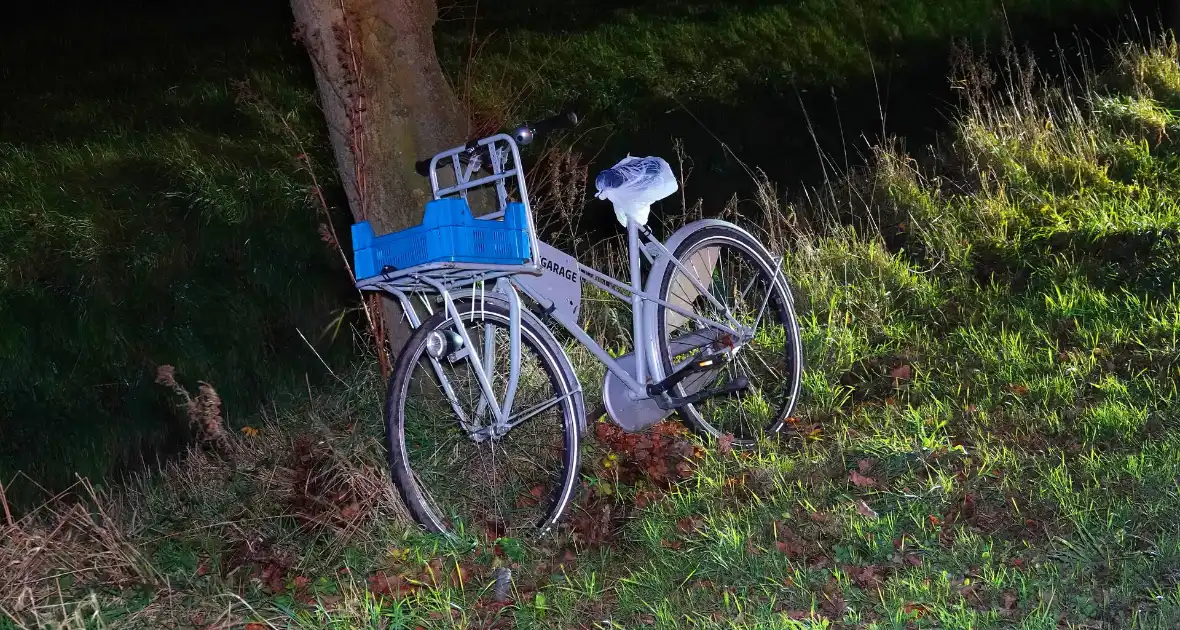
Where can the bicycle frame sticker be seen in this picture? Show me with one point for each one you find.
(559, 281)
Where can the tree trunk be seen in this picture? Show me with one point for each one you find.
(386, 103)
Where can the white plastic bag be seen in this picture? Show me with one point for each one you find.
(634, 184)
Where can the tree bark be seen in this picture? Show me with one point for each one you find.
(386, 103)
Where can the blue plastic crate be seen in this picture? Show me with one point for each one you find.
(448, 233)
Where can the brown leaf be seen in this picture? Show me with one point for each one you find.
(861, 481)
(915, 609)
(1018, 389)
(1009, 600)
(867, 578)
(788, 548)
(901, 373)
(832, 601)
(864, 466)
(864, 510)
(301, 581)
(725, 444)
(350, 511)
(688, 524)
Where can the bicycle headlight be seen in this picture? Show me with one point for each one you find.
(440, 343)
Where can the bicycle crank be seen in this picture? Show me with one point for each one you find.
(707, 362)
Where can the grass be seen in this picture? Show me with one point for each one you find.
(624, 58)
(769, 79)
(147, 218)
(987, 438)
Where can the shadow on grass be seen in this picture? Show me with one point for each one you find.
(148, 219)
(802, 134)
(1142, 262)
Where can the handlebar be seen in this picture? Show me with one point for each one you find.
(523, 135)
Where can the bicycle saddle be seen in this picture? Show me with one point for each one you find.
(634, 184)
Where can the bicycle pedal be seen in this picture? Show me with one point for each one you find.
(697, 364)
(733, 386)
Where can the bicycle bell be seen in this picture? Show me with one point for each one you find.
(523, 134)
(440, 343)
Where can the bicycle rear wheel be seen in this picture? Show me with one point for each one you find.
(455, 479)
(739, 274)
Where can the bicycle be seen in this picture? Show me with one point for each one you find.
(692, 353)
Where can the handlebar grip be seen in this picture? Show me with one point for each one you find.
(524, 134)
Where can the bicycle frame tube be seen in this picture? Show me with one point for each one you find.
(636, 302)
(481, 375)
(644, 360)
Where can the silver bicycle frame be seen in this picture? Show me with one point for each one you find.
(442, 278)
(645, 363)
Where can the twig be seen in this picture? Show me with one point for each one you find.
(4, 501)
(317, 355)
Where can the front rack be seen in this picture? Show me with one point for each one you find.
(501, 148)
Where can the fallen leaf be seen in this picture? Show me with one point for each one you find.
(687, 525)
(832, 601)
(864, 510)
(350, 511)
(901, 373)
(725, 444)
(915, 609)
(789, 549)
(301, 581)
(1019, 390)
(255, 626)
(864, 466)
(1009, 600)
(861, 481)
(867, 578)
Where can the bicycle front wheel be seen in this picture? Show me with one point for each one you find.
(740, 281)
(457, 469)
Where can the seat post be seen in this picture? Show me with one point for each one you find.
(636, 300)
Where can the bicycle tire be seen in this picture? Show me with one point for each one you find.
(782, 304)
(534, 338)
